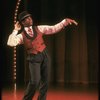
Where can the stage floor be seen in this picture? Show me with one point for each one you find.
(53, 94)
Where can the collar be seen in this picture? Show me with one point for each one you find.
(26, 28)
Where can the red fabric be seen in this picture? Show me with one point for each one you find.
(35, 46)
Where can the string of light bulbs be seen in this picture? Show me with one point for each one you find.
(14, 51)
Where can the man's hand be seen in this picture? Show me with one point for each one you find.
(17, 26)
(71, 21)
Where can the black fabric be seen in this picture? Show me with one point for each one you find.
(38, 67)
(23, 15)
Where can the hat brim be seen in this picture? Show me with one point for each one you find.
(25, 17)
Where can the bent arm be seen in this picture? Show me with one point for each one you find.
(14, 39)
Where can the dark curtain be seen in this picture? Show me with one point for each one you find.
(73, 51)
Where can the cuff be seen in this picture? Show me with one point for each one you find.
(64, 22)
(15, 32)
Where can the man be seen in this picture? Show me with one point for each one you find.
(32, 38)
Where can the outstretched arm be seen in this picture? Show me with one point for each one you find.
(47, 29)
(14, 39)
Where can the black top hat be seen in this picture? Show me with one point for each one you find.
(23, 15)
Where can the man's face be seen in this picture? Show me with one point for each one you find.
(27, 21)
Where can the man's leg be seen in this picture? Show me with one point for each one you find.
(44, 79)
(34, 67)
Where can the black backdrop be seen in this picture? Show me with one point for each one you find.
(73, 51)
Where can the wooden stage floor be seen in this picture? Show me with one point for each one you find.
(53, 94)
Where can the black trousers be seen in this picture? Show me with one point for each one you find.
(38, 66)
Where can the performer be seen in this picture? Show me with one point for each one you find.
(32, 38)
